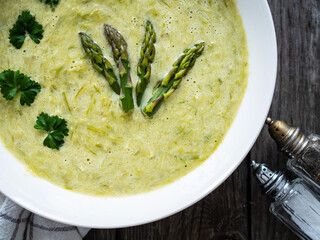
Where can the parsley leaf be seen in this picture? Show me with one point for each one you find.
(26, 23)
(35, 31)
(12, 82)
(17, 35)
(55, 127)
(52, 3)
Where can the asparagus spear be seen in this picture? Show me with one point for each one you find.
(173, 78)
(120, 54)
(147, 53)
(99, 62)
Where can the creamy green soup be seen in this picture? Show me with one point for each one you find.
(108, 151)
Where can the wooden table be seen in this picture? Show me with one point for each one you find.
(237, 209)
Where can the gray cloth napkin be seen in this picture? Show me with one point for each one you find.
(16, 223)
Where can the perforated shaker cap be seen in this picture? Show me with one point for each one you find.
(289, 139)
(273, 183)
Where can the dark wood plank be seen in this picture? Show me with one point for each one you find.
(111, 234)
(295, 99)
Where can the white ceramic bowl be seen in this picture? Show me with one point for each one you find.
(61, 205)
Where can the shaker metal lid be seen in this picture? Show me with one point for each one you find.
(289, 139)
(273, 183)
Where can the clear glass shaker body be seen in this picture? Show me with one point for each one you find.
(307, 164)
(298, 207)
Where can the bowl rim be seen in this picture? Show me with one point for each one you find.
(36, 206)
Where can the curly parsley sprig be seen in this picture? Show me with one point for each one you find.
(56, 128)
(26, 23)
(52, 3)
(12, 82)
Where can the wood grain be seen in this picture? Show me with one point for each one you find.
(237, 209)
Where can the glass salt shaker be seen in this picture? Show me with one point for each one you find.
(303, 151)
(295, 204)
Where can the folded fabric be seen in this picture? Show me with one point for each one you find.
(16, 223)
